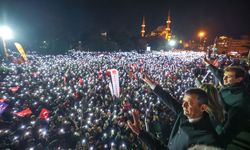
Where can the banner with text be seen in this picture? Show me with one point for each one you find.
(115, 82)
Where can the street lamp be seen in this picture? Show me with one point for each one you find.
(172, 43)
(5, 33)
(201, 35)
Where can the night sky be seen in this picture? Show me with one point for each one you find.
(38, 19)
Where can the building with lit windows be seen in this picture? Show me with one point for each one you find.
(225, 44)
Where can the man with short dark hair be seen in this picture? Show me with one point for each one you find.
(192, 126)
(239, 71)
(235, 98)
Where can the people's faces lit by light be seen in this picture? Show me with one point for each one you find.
(191, 108)
(230, 78)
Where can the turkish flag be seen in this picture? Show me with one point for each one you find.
(65, 80)
(24, 112)
(100, 74)
(80, 81)
(134, 67)
(14, 89)
(127, 106)
(44, 114)
(77, 95)
(108, 73)
(2, 99)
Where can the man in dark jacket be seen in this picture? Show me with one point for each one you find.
(192, 126)
(235, 98)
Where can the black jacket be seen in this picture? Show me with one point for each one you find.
(184, 134)
(235, 99)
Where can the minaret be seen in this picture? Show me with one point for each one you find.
(168, 33)
(143, 27)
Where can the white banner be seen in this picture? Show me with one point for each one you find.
(115, 82)
(111, 89)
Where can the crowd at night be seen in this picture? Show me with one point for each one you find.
(124, 75)
(65, 102)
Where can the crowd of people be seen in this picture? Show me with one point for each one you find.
(65, 102)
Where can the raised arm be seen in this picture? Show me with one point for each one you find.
(147, 138)
(164, 96)
(215, 71)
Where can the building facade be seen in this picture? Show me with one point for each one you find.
(225, 45)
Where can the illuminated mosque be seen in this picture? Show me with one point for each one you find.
(162, 31)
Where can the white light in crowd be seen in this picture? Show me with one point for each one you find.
(172, 43)
(123, 145)
(44, 132)
(112, 131)
(112, 144)
(15, 138)
(76, 134)
(22, 127)
(83, 141)
(106, 146)
(105, 134)
(26, 133)
(61, 131)
(32, 148)
(91, 148)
